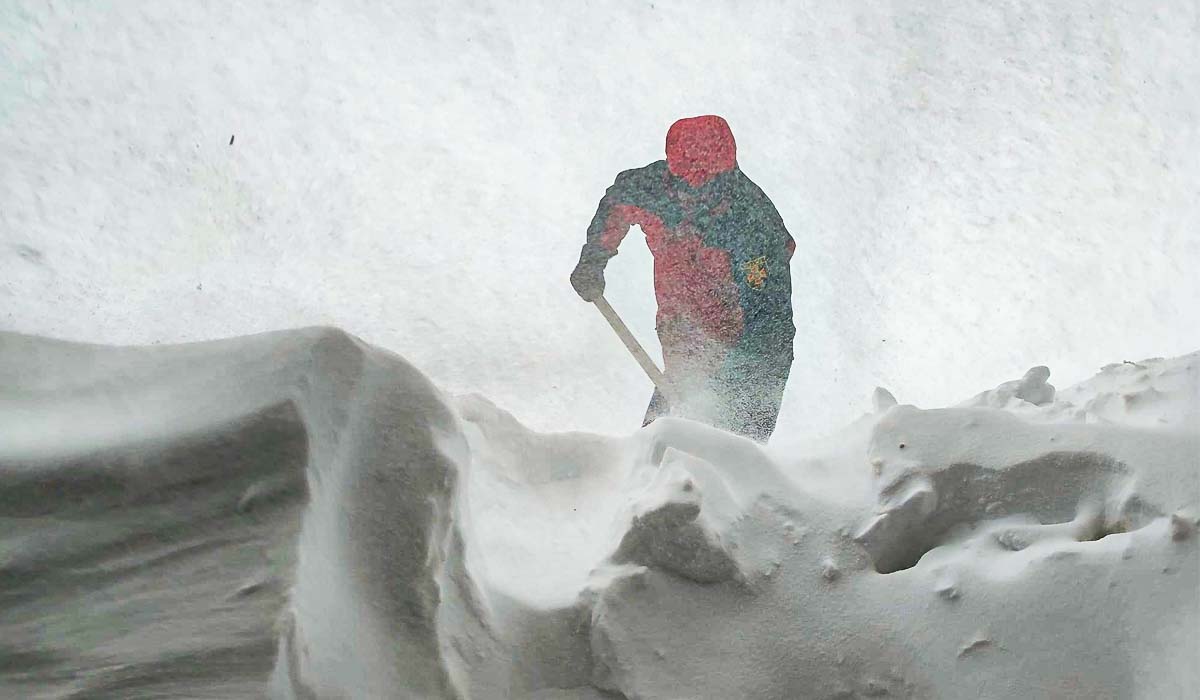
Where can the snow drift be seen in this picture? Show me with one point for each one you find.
(302, 512)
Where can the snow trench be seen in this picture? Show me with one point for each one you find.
(302, 513)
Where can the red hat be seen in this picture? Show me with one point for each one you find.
(700, 148)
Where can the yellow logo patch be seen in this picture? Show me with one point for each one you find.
(756, 272)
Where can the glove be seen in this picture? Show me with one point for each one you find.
(588, 281)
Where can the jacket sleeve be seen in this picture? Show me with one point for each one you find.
(617, 212)
(771, 223)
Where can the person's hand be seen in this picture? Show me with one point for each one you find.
(588, 281)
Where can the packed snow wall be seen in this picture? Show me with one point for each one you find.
(305, 513)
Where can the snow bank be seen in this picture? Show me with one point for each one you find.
(1030, 543)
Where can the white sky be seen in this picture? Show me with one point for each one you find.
(974, 187)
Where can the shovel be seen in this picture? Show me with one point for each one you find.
(635, 348)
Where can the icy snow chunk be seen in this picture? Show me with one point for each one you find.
(882, 399)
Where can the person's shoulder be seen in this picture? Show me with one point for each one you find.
(652, 171)
(743, 181)
(751, 192)
(750, 198)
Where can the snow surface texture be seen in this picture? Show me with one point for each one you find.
(181, 520)
(975, 187)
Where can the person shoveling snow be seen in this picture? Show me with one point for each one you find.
(722, 278)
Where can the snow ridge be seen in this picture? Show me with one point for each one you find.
(1029, 543)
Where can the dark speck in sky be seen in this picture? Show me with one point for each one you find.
(29, 253)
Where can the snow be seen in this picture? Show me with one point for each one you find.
(974, 188)
(305, 502)
(979, 191)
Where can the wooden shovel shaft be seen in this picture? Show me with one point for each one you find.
(634, 347)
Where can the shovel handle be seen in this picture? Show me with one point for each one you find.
(634, 347)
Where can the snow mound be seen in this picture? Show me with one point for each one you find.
(1029, 543)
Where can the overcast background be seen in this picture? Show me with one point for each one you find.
(974, 187)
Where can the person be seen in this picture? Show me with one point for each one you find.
(722, 277)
